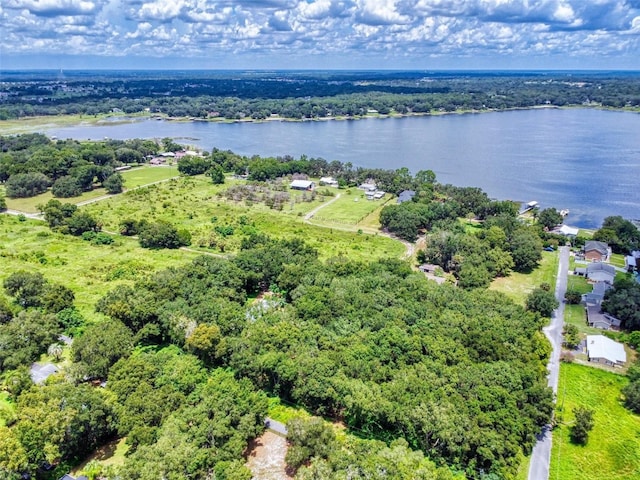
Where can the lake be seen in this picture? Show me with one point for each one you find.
(585, 160)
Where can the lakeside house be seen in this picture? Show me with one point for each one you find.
(305, 185)
(601, 349)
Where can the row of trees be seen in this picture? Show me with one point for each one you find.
(312, 96)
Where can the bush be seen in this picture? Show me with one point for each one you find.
(582, 427)
(113, 183)
(163, 235)
(66, 187)
(24, 185)
(573, 297)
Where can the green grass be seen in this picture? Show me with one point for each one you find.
(112, 453)
(523, 469)
(89, 270)
(518, 285)
(199, 206)
(617, 260)
(613, 450)
(133, 178)
(578, 283)
(350, 208)
(7, 408)
(283, 413)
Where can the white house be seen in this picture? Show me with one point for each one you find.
(302, 185)
(330, 181)
(601, 349)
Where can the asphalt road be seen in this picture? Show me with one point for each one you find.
(541, 454)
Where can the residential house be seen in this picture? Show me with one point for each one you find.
(368, 187)
(601, 349)
(601, 272)
(302, 185)
(330, 181)
(631, 263)
(406, 196)
(568, 231)
(596, 295)
(596, 318)
(595, 251)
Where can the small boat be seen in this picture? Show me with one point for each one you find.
(564, 212)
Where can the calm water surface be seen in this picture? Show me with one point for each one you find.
(585, 160)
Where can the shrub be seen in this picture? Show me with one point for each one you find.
(66, 187)
(24, 185)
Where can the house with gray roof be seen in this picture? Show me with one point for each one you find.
(596, 295)
(596, 251)
(601, 349)
(40, 372)
(596, 318)
(601, 272)
(406, 196)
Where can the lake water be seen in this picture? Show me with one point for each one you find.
(585, 160)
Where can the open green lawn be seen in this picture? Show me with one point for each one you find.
(199, 206)
(613, 450)
(518, 285)
(89, 270)
(351, 208)
(112, 453)
(134, 178)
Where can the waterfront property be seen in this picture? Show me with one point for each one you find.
(595, 251)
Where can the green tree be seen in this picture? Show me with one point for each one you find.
(56, 298)
(26, 185)
(66, 187)
(311, 437)
(549, 218)
(542, 301)
(584, 423)
(571, 336)
(526, 250)
(81, 222)
(217, 174)
(623, 302)
(113, 183)
(631, 394)
(162, 235)
(25, 337)
(26, 287)
(3, 203)
(100, 346)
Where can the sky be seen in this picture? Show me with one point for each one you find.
(320, 34)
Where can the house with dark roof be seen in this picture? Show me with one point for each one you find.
(601, 272)
(596, 295)
(596, 318)
(596, 251)
(406, 196)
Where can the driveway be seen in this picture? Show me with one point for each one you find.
(541, 454)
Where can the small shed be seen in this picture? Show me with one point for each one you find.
(302, 185)
(601, 349)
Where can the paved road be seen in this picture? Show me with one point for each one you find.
(541, 454)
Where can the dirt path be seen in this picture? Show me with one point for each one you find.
(266, 457)
(310, 215)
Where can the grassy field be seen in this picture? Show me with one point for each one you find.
(112, 453)
(133, 178)
(351, 208)
(613, 450)
(194, 203)
(35, 124)
(518, 285)
(89, 270)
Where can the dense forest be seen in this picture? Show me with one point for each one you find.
(305, 95)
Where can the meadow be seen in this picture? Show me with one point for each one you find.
(199, 206)
(613, 449)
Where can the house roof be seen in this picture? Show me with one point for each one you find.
(301, 184)
(599, 346)
(600, 267)
(406, 196)
(630, 261)
(600, 247)
(567, 230)
(40, 372)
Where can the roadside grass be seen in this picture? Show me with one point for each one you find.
(196, 204)
(89, 270)
(7, 408)
(523, 469)
(613, 450)
(518, 285)
(578, 283)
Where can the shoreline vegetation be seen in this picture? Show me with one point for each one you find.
(31, 124)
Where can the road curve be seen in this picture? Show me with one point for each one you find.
(541, 454)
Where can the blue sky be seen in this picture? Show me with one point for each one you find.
(320, 34)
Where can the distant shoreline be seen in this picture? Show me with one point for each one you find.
(33, 124)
